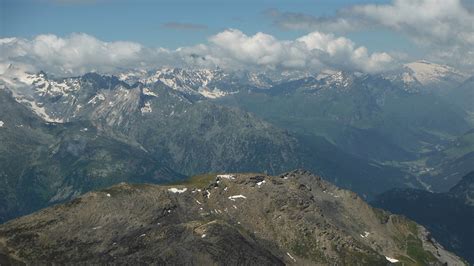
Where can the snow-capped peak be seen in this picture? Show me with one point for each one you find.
(427, 73)
(190, 81)
(16, 76)
(335, 78)
(132, 76)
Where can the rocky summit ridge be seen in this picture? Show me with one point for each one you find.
(296, 218)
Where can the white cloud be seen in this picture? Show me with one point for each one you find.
(444, 20)
(445, 28)
(232, 49)
(342, 52)
(77, 53)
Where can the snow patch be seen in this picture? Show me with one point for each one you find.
(1, 123)
(39, 110)
(391, 260)
(233, 198)
(226, 176)
(17, 77)
(98, 96)
(332, 194)
(291, 257)
(408, 78)
(215, 93)
(146, 108)
(261, 183)
(366, 234)
(176, 190)
(147, 91)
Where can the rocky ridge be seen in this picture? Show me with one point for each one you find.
(233, 219)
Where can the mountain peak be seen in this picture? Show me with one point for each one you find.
(227, 218)
(427, 72)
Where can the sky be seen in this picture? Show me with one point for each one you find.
(155, 23)
(389, 32)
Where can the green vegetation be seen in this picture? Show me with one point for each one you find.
(461, 147)
(306, 246)
(416, 255)
(415, 251)
(119, 190)
(198, 181)
(351, 257)
(408, 240)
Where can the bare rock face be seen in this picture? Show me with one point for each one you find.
(230, 219)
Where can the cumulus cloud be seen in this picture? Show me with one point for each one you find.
(231, 49)
(77, 53)
(443, 27)
(313, 51)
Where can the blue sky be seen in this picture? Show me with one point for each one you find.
(142, 21)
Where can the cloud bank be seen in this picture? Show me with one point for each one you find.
(445, 28)
(79, 53)
(74, 54)
(314, 51)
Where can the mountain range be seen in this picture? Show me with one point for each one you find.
(45, 163)
(408, 130)
(183, 116)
